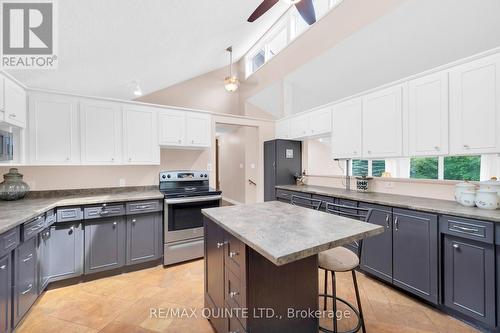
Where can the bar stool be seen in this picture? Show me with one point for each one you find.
(340, 259)
(297, 200)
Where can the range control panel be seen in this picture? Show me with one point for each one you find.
(169, 176)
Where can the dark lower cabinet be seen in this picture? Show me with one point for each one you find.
(5, 293)
(105, 244)
(415, 253)
(64, 248)
(143, 238)
(376, 258)
(469, 278)
(214, 273)
(25, 278)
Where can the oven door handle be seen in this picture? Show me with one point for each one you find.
(192, 199)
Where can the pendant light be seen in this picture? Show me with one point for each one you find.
(231, 83)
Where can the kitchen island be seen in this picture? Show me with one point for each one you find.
(261, 264)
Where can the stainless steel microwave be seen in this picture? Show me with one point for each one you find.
(6, 146)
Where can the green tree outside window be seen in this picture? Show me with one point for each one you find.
(424, 168)
(462, 168)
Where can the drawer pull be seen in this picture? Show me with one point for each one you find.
(456, 246)
(104, 212)
(219, 245)
(115, 223)
(3, 267)
(144, 207)
(465, 229)
(388, 225)
(233, 294)
(28, 258)
(30, 286)
(36, 227)
(396, 223)
(233, 254)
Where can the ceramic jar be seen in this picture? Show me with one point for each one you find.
(467, 198)
(469, 189)
(487, 199)
(492, 184)
(13, 187)
(364, 184)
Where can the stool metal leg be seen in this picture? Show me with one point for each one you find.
(334, 294)
(358, 299)
(325, 290)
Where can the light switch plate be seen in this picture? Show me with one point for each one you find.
(121, 182)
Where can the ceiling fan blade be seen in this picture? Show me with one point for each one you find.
(306, 10)
(263, 7)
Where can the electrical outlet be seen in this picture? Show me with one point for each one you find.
(121, 182)
(209, 167)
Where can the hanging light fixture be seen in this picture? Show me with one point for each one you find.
(231, 83)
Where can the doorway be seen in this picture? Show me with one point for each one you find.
(236, 155)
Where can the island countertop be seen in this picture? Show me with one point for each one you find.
(284, 233)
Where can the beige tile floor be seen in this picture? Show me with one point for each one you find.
(123, 303)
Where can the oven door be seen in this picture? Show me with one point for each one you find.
(6, 146)
(183, 218)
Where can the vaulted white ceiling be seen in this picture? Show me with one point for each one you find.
(104, 45)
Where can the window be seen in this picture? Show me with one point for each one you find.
(462, 168)
(278, 43)
(424, 167)
(360, 168)
(258, 60)
(321, 7)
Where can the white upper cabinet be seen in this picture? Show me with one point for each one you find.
(14, 104)
(320, 122)
(428, 115)
(53, 130)
(346, 129)
(140, 135)
(383, 123)
(101, 132)
(299, 126)
(282, 129)
(185, 129)
(198, 129)
(172, 128)
(475, 107)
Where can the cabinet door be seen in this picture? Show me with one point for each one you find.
(376, 256)
(53, 130)
(101, 132)
(428, 115)
(25, 291)
(320, 122)
(475, 107)
(104, 244)
(383, 123)
(140, 136)
(5, 293)
(299, 126)
(65, 250)
(143, 237)
(198, 129)
(346, 129)
(172, 128)
(469, 278)
(15, 104)
(214, 269)
(283, 129)
(415, 253)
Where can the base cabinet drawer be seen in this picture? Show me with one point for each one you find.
(469, 278)
(25, 284)
(105, 244)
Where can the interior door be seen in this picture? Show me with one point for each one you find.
(172, 128)
(383, 123)
(475, 107)
(346, 129)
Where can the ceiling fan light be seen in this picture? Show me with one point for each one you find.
(231, 83)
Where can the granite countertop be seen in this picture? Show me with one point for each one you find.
(283, 233)
(437, 206)
(14, 213)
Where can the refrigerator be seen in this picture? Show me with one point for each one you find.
(282, 161)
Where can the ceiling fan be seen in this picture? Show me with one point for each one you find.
(305, 8)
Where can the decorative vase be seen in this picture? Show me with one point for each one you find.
(13, 186)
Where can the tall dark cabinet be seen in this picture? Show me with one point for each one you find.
(282, 161)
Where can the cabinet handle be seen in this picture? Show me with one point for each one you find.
(234, 331)
(396, 223)
(133, 221)
(179, 141)
(3, 267)
(219, 245)
(104, 212)
(388, 225)
(130, 159)
(12, 115)
(30, 286)
(369, 152)
(28, 258)
(233, 254)
(233, 294)
(466, 146)
(355, 152)
(456, 246)
(112, 159)
(437, 148)
(465, 229)
(115, 223)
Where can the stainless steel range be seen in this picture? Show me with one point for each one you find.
(186, 194)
